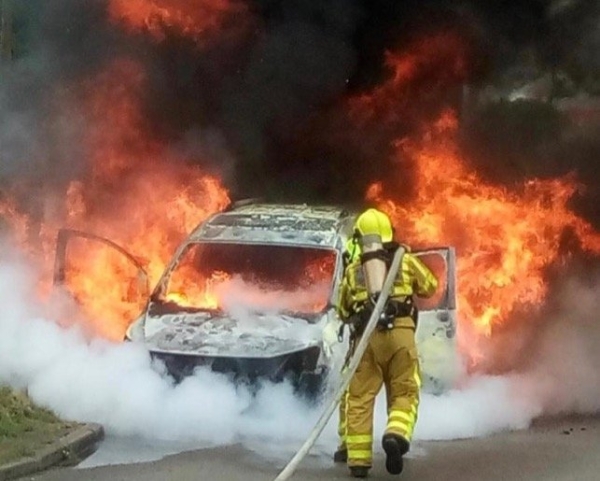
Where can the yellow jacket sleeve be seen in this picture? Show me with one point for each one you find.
(424, 281)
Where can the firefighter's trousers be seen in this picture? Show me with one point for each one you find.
(390, 359)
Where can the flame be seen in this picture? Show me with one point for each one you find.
(142, 197)
(504, 239)
(192, 18)
(425, 67)
(136, 193)
(190, 289)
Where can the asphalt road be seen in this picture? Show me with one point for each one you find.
(553, 450)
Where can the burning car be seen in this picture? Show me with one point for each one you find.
(249, 291)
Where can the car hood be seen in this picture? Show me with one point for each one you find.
(226, 335)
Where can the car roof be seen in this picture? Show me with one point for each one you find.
(278, 224)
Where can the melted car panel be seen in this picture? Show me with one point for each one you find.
(278, 225)
(248, 336)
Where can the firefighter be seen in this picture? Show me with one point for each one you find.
(391, 355)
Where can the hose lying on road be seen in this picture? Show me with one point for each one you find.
(289, 469)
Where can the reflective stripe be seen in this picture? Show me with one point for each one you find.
(359, 454)
(343, 424)
(405, 428)
(417, 376)
(396, 413)
(425, 279)
(402, 415)
(359, 447)
(359, 439)
(403, 421)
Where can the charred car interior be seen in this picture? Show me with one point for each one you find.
(259, 277)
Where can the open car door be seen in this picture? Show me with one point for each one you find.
(109, 283)
(436, 331)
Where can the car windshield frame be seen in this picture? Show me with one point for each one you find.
(158, 305)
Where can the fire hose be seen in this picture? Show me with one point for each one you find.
(289, 469)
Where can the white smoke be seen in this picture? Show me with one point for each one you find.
(235, 294)
(565, 360)
(559, 373)
(117, 385)
(486, 405)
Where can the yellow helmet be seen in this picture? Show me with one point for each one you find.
(374, 222)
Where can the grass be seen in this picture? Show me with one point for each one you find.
(25, 428)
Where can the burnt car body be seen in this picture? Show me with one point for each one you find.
(271, 311)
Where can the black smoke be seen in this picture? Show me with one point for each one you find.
(275, 97)
(552, 45)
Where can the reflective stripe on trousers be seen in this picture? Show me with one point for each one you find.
(359, 447)
(342, 424)
(403, 422)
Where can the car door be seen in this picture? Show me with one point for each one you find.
(437, 327)
(109, 283)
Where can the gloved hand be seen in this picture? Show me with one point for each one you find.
(330, 335)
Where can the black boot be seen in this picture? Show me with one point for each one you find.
(395, 447)
(359, 471)
(340, 456)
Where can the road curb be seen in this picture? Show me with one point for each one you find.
(71, 449)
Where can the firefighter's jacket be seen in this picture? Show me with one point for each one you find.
(413, 278)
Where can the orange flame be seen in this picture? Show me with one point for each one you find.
(192, 18)
(504, 239)
(140, 196)
(143, 199)
(425, 67)
(137, 195)
(190, 290)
